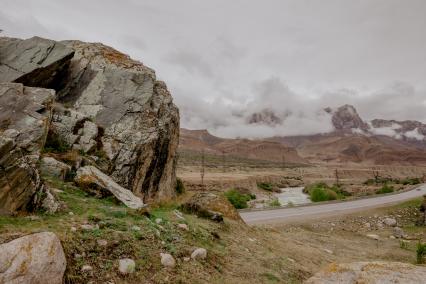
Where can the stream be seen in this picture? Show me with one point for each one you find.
(292, 195)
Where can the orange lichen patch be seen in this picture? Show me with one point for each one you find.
(86, 180)
(332, 268)
(27, 260)
(118, 58)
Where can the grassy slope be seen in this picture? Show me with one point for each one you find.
(115, 225)
(236, 253)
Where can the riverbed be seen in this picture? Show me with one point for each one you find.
(292, 195)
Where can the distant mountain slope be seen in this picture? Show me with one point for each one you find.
(202, 140)
(353, 140)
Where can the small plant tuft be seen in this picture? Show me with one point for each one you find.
(275, 203)
(421, 252)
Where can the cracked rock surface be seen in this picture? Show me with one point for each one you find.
(138, 122)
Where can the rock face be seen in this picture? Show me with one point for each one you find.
(108, 106)
(24, 119)
(89, 175)
(37, 258)
(35, 62)
(370, 272)
(138, 124)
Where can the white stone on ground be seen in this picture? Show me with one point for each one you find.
(183, 227)
(126, 266)
(199, 254)
(167, 260)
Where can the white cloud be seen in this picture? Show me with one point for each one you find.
(414, 134)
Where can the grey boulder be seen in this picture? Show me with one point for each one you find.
(49, 166)
(90, 176)
(37, 258)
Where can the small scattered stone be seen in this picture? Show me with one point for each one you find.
(87, 227)
(373, 236)
(328, 251)
(167, 260)
(183, 227)
(86, 268)
(158, 220)
(71, 213)
(178, 214)
(398, 233)
(199, 254)
(126, 266)
(136, 228)
(186, 259)
(102, 243)
(73, 229)
(33, 217)
(390, 222)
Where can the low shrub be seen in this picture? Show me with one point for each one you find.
(55, 144)
(421, 252)
(385, 189)
(411, 181)
(322, 192)
(275, 203)
(237, 199)
(265, 186)
(180, 187)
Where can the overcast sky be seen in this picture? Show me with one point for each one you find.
(223, 60)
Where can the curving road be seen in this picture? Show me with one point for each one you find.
(284, 215)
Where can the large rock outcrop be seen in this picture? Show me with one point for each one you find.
(108, 106)
(370, 272)
(37, 258)
(138, 124)
(24, 120)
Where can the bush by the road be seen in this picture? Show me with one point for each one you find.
(385, 189)
(239, 200)
(322, 192)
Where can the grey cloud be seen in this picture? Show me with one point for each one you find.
(223, 60)
(190, 61)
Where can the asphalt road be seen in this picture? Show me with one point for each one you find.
(284, 215)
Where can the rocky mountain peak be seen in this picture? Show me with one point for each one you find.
(346, 117)
(265, 116)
